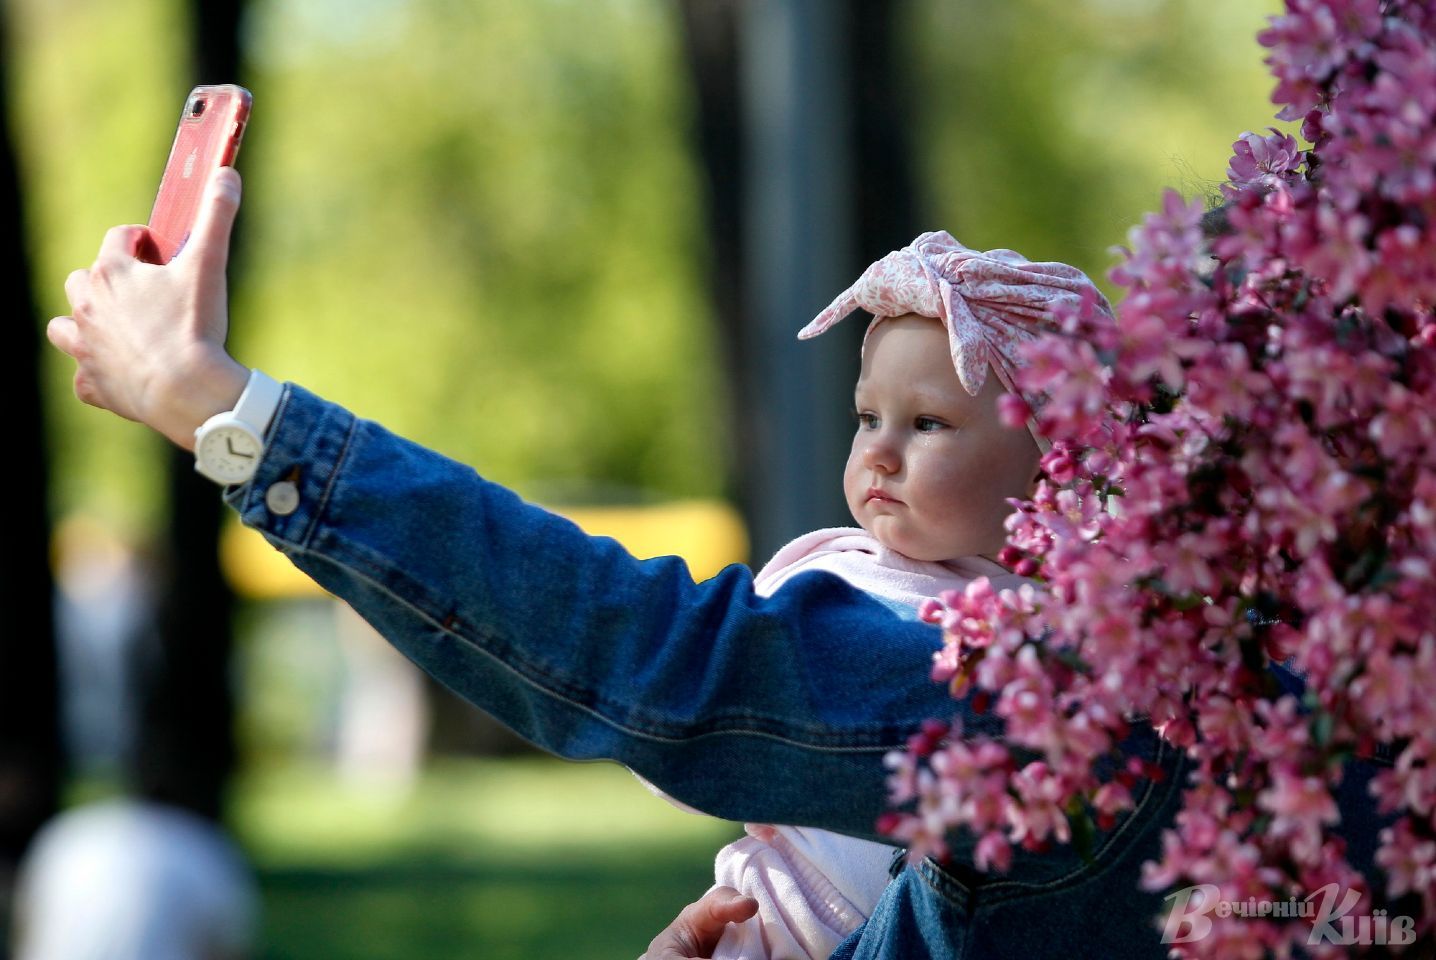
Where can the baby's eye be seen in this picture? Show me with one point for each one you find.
(866, 421)
(928, 424)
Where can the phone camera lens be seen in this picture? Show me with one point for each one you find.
(196, 108)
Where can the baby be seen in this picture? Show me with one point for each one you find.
(927, 479)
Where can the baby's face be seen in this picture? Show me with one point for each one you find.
(931, 466)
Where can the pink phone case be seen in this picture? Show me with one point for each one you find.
(210, 129)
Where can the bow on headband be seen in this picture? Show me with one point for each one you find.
(990, 302)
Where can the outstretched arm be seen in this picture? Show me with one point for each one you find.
(589, 652)
(566, 638)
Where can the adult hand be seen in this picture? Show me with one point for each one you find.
(695, 931)
(149, 339)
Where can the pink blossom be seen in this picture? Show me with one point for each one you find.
(1039, 814)
(1243, 471)
(1310, 43)
(1410, 861)
(993, 852)
(1264, 159)
(1302, 806)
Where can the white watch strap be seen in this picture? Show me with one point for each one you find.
(259, 400)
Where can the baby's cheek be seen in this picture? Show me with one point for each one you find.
(851, 476)
(973, 505)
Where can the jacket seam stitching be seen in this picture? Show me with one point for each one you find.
(547, 691)
(324, 497)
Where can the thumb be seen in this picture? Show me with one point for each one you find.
(209, 241)
(726, 905)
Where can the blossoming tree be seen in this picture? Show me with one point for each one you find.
(1243, 473)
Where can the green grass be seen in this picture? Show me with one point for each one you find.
(524, 858)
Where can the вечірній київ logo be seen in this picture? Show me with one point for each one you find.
(1328, 909)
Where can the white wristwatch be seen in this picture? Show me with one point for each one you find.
(228, 445)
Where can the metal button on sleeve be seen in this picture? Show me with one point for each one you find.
(282, 498)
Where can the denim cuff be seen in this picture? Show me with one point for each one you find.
(303, 454)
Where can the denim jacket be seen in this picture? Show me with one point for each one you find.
(590, 653)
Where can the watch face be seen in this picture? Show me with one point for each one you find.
(229, 454)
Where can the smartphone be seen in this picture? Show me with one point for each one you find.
(210, 129)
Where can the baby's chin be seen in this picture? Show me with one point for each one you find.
(916, 549)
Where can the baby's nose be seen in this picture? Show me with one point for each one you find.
(882, 454)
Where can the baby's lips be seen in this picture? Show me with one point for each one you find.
(875, 493)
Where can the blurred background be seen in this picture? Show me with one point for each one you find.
(569, 242)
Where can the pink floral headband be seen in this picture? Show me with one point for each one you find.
(990, 302)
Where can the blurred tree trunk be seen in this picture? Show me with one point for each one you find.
(710, 38)
(31, 762)
(886, 211)
(185, 752)
(869, 112)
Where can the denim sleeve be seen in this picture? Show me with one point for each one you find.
(776, 710)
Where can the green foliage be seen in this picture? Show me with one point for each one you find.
(476, 223)
(1052, 127)
(479, 224)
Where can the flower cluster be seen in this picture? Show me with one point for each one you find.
(1235, 534)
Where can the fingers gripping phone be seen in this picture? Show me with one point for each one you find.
(210, 129)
